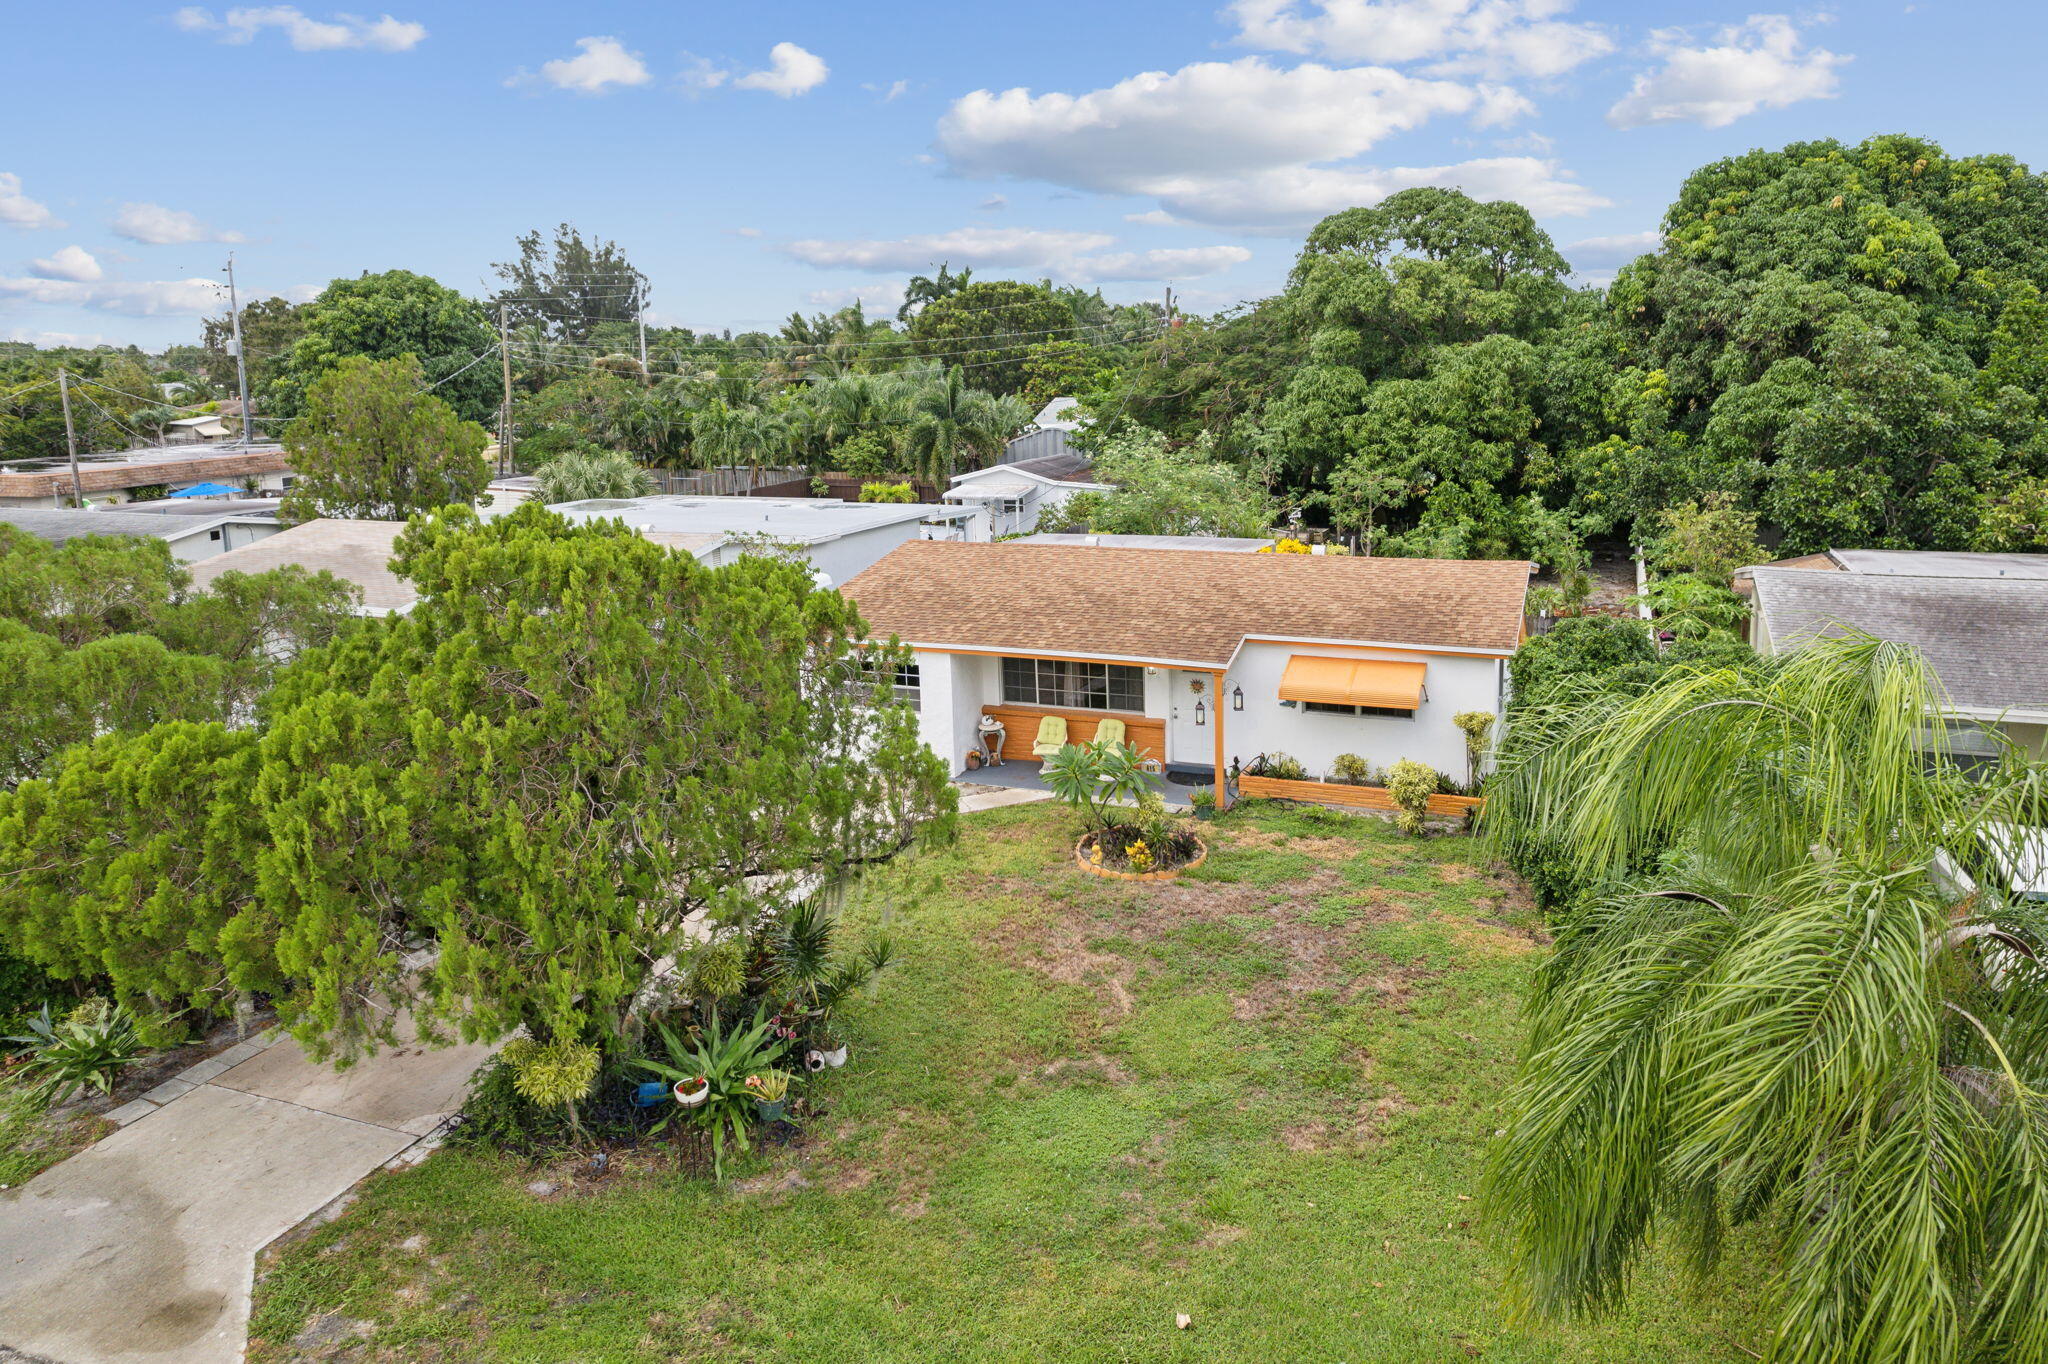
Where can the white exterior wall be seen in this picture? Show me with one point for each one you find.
(1450, 684)
(950, 704)
(193, 546)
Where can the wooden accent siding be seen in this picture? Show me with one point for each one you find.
(1020, 724)
(1336, 793)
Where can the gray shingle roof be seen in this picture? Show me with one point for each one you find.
(59, 524)
(1987, 638)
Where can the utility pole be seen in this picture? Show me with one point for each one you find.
(640, 315)
(70, 438)
(241, 359)
(505, 414)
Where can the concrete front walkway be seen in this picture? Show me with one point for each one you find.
(142, 1248)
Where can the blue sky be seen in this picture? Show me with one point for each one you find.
(758, 159)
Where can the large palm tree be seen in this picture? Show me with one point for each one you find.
(1769, 1011)
(952, 424)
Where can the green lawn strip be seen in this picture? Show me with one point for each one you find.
(1070, 1115)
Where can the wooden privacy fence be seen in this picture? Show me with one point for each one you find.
(1359, 797)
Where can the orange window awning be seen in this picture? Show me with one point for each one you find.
(1381, 682)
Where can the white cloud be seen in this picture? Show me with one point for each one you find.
(1757, 64)
(1496, 38)
(155, 225)
(73, 340)
(879, 298)
(18, 210)
(890, 93)
(698, 73)
(1242, 143)
(744, 231)
(791, 72)
(72, 263)
(1288, 197)
(1614, 250)
(995, 203)
(1152, 217)
(143, 298)
(305, 33)
(1071, 255)
(601, 64)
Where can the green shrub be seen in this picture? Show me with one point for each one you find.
(1278, 766)
(86, 1049)
(887, 492)
(1351, 769)
(722, 1061)
(1093, 777)
(1411, 784)
(552, 1074)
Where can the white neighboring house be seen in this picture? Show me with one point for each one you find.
(1980, 619)
(1206, 658)
(838, 538)
(192, 538)
(1016, 496)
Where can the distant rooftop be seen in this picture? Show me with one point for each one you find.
(1981, 634)
(1216, 544)
(799, 520)
(238, 506)
(1939, 563)
(59, 524)
(145, 455)
(354, 551)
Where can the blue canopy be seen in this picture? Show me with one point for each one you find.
(205, 490)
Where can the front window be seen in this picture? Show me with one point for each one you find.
(909, 686)
(1073, 686)
(1385, 712)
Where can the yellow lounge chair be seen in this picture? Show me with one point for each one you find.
(1109, 732)
(1052, 736)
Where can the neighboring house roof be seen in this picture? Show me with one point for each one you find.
(59, 524)
(1983, 636)
(1182, 606)
(1040, 445)
(44, 477)
(1012, 480)
(240, 506)
(1053, 416)
(1208, 544)
(805, 521)
(354, 551)
(1909, 563)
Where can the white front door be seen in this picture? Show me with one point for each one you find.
(1187, 743)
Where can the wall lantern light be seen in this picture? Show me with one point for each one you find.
(1201, 714)
(1237, 698)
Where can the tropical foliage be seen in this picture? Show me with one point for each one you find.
(1768, 1011)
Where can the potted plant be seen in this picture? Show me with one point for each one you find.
(771, 1094)
(973, 759)
(1204, 800)
(692, 1090)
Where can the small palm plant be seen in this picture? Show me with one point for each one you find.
(1095, 776)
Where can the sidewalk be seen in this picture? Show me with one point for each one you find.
(142, 1247)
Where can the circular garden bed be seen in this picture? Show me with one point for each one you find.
(1123, 853)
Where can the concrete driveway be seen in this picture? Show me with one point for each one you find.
(142, 1248)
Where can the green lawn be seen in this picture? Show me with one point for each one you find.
(1259, 1096)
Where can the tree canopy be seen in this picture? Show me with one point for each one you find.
(370, 443)
(388, 316)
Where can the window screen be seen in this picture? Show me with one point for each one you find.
(1073, 686)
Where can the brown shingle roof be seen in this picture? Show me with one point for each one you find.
(1182, 605)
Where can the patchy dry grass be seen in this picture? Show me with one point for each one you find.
(1258, 1095)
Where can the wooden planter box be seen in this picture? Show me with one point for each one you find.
(1359, 797)
(1111, 873)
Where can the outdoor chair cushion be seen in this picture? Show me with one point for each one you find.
(1109, 732)
(1052, 736)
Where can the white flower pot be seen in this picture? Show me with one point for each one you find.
(690, 1100)
(836, 1059)
(814, 1060)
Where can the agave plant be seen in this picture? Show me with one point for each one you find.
(724, 1061)
(1769, 1011)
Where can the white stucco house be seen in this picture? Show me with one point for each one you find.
(193, 535)
(1207, 659)
(1017, 496)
